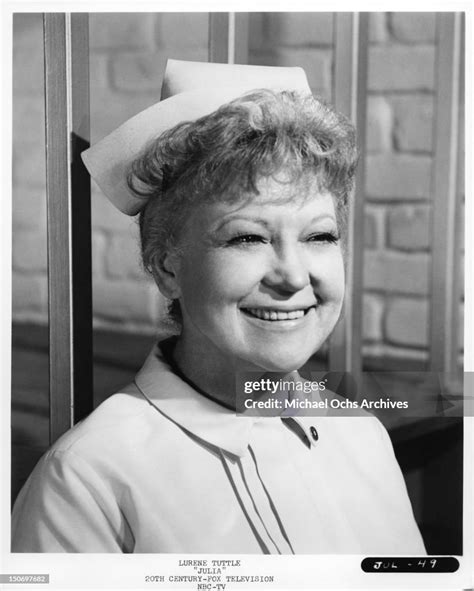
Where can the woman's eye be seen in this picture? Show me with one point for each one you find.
(247, 239)
(327, 237)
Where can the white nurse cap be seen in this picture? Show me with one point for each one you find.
(190, 90)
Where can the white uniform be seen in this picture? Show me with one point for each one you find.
(160, 468)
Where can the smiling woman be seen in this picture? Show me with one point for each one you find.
(242, 203)
(278, 312)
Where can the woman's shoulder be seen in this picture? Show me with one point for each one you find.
(123, 423)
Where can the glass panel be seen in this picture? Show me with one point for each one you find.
(30, 381)
(399, 244)
(301, 39)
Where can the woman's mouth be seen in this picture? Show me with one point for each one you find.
(274, 315)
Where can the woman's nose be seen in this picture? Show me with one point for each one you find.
(288, 271)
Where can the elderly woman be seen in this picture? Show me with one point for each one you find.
(242, 204)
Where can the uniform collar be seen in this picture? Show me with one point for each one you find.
(190, 410)
(200, 416)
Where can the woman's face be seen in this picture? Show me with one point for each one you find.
(261, 283)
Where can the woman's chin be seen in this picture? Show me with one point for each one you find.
(285, 363)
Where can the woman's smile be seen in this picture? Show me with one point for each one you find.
(277, 318)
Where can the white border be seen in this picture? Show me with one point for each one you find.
(90, 571)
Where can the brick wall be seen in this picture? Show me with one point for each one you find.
(128, 54)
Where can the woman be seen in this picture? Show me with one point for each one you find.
(242, 217)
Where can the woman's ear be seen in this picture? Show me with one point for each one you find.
(165, 275)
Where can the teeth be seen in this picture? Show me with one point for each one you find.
(275, 314)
